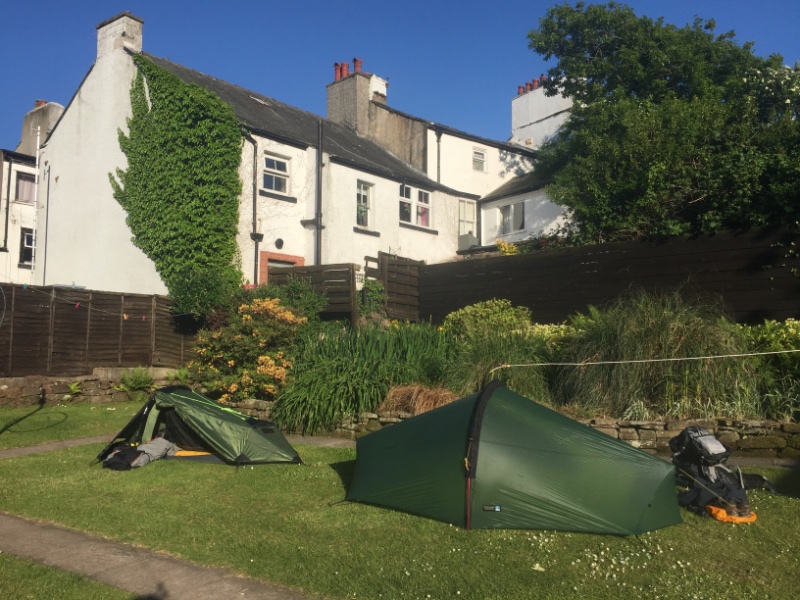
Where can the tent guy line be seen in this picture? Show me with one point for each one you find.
(642, 360)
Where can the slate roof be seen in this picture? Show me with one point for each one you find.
(518, 185)
(271, 118)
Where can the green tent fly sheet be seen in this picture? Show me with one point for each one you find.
(196, 423)
(496, 459)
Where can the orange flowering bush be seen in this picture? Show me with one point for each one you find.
(248, 357)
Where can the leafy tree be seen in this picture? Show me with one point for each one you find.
(673, 130)
(181, 188)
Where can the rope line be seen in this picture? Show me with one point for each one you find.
(638, 361)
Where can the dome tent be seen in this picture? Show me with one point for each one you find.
(496, 459)
(196, 423)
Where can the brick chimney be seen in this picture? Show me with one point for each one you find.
(350, 94)
(121, 31)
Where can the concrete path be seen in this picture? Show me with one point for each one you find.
(151, 575)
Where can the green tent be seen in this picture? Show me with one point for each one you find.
(196, 423)
(498, 460)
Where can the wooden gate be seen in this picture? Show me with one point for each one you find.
(400, 279)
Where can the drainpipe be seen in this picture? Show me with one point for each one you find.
(46, 222)
(254, 234)
(438, 156)
(8, 196)
(35, 205)
(318, 201)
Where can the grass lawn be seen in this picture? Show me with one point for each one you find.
(288, 524)
(38, 424)
(22, 579)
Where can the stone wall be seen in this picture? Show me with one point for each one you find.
(102, 386)
(747, 438)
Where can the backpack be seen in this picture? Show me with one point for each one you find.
(122, 459)
(710, 486)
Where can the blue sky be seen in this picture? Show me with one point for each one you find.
(456, 63)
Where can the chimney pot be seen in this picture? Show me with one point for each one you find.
(39, 103)
(357, 62)
(337, 72)
(345, 69)
(520, 90)
(534, 84)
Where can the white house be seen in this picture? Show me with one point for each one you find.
(519, 209)
(315, 190)
(17, 216)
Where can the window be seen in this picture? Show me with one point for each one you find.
(26, 247)
(276, 174)
(512, 218)
(466, 217)
(26, 183)
(362, 204)
(415, 210)
(479, 160)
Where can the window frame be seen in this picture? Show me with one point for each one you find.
(415, 209)
(479, 159)
(363, 190)
(26, 250)
(462, 221)
(30, 180)
(510, 219)
(275, 173)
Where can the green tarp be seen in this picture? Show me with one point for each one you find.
(194, 422)
(499, 460)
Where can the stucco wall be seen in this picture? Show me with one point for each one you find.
(541, 217)
(17, 215)
(82, 236)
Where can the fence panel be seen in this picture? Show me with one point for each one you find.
(65, 331)
(336, 282)
(754, 273)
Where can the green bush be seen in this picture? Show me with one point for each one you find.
(644, 327)
(296, 294)
(250, 356)
(487, 318)
(349, 372)
(372, 299)
(780, 372)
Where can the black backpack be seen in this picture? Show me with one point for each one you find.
(701, 467)
(122, 459)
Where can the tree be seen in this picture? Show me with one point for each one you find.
(673, 130)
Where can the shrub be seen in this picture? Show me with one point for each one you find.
(296, 294)
(345, 374)
(487, 318)
(249, 357)
(780, 372)
(136, 382)
(646, 327)
(372, 299)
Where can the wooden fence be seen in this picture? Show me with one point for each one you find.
(755, 273)
(65, 331)
(336, 282)
(400, 280)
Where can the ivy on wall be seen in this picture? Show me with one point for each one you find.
(181, 188)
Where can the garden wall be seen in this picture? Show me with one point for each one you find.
(747, 439)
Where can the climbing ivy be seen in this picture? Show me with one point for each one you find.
(181, 188)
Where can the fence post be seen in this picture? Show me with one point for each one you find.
(353, 296)
(51, 330)
(152, 330)
(88, 329)
(121, 325)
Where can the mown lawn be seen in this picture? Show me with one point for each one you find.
(289, 524)
(38, 424)
(22, 579)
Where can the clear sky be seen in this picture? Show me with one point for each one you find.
(454, 62)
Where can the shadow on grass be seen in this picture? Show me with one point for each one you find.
(787, 482)
(345, 470)
(41, 404)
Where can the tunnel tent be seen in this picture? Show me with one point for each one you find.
(496, 459)
(204, 428)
